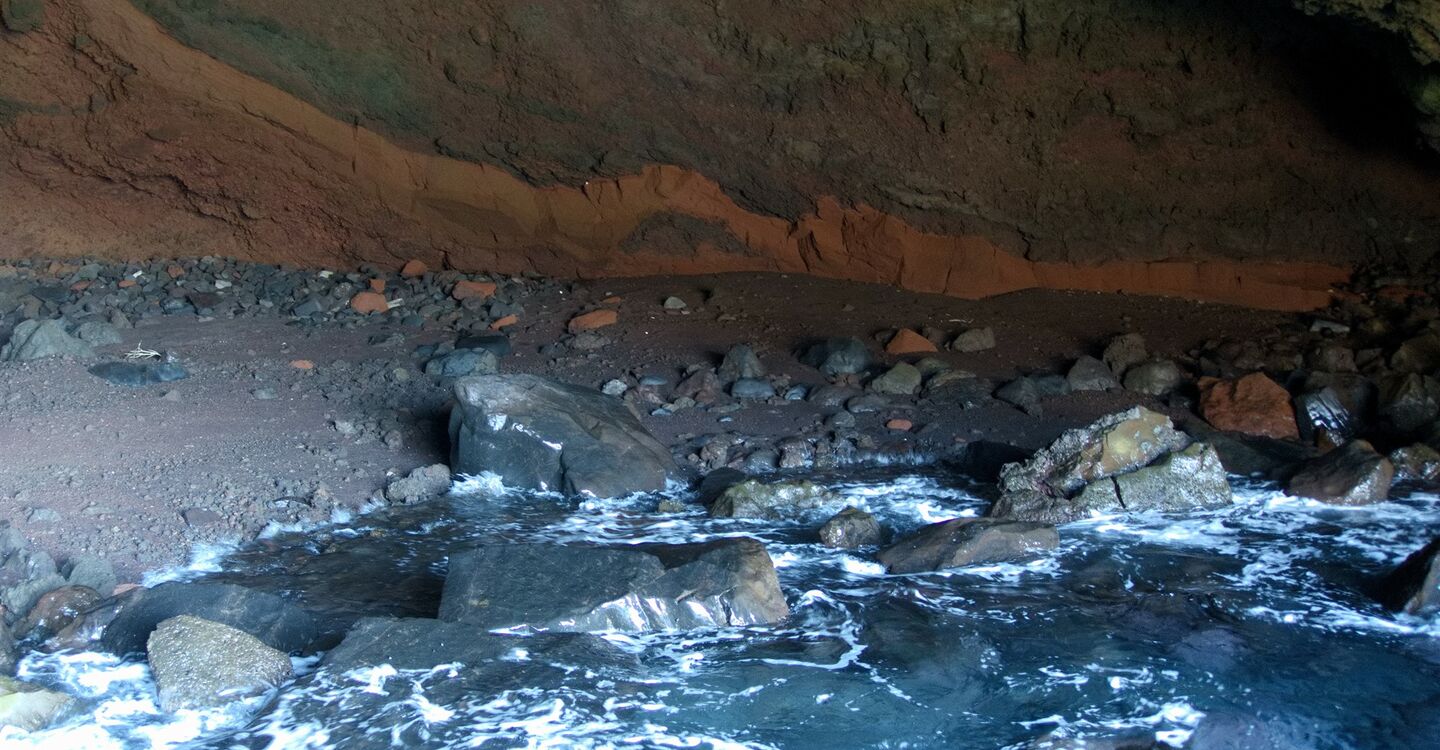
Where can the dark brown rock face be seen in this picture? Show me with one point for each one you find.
(968, 149)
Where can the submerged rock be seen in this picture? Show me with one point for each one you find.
(29, 707)
(39, 339)
(850, 528)
(539, 434)
(967, 541)
(775, 501)
(198, 663)
(727, 582)
(1414, 586)
(277, 622)
(1353, 474)
(1111, 466)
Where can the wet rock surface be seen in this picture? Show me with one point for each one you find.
(1353, 474)
(199, 663)
(851, 528)
(728, 582)
(1414, 586)
(775, 501)
(546, 435)
(280, 624)
(967, 541)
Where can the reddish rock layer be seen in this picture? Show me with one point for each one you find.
(120, 141)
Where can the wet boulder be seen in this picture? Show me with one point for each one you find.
(552, 587)
(1416, 463)
(1418, 354)
(1323, 413)
(198, 663)
(1414, 586)
(40, 339)
(1189, 479)
(1253, 405)
(1410, 402)
(1131, 461)
(29, 707)
(968, 541)
(544, 435)
(849, 529)
(56, 610)
(277, 622)
(838, 356)
(775, 501)
(1353, 474)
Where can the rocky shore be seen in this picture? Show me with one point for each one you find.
(149, 408)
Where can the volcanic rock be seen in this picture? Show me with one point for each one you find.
(464, 290)
(29, 707)
(850, 528)
(39, 339)
(540, 434)
(1414, 586)
(776, 501)
(424, 483)
(1090, 374)
(277, 622)
(366, 303)
(728, 583)
(1353, 474)
(906, 341)
(1410, 402)
(592, 320)
(740, 362)
(974, 340)
(1416, 463)
(1156, 377)
(198, 663)
(901, 380)
(1254, 405)
(967, 541)
(1124, 352)
(838, 356)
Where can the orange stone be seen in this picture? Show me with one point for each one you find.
(127, 283)
(174, 272)
(508, 320)
(612, 300)
(369, 302)
(302, 364)
(909, 342)
(377, 285)
(80, 286)
(1254, 405)
(592, 320)
(414, 268)
(902, 425)
(469, 289)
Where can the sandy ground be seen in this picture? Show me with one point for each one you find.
(142, 474)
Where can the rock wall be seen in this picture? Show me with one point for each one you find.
(1214, 149)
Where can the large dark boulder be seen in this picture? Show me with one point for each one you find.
(1353, 474)
(539, 434)
(1414, 586)
(967, 541)
(552, 587)
(277, 622)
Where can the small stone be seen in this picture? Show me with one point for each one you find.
(264, 394)
(1154, 378)
(367, 303)
(424, 483)
(906, 341)
(838, 356)
(302, 364)
(194, 517)
(1124, 352)
(752, 388)
(903, 379)
(900, 425)
(592, 320)
(505, 322)
(974, 340)
(414, 269)
(740, 362)
(1090, 374)
(614, 387)
(377, 285)
(464, 290)
(674, 303)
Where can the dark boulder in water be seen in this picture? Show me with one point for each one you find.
(1353, 474)
(727, 582)
(968, 541)
(278, 623)
(850, 528)
(543, 435)
(1414, 586)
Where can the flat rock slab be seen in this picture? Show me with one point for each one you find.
(544, 435)
(278, 623)
(137, 374)
(968, 541)
(551, 587)
(198, 663)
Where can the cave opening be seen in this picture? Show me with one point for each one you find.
(745, 374)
